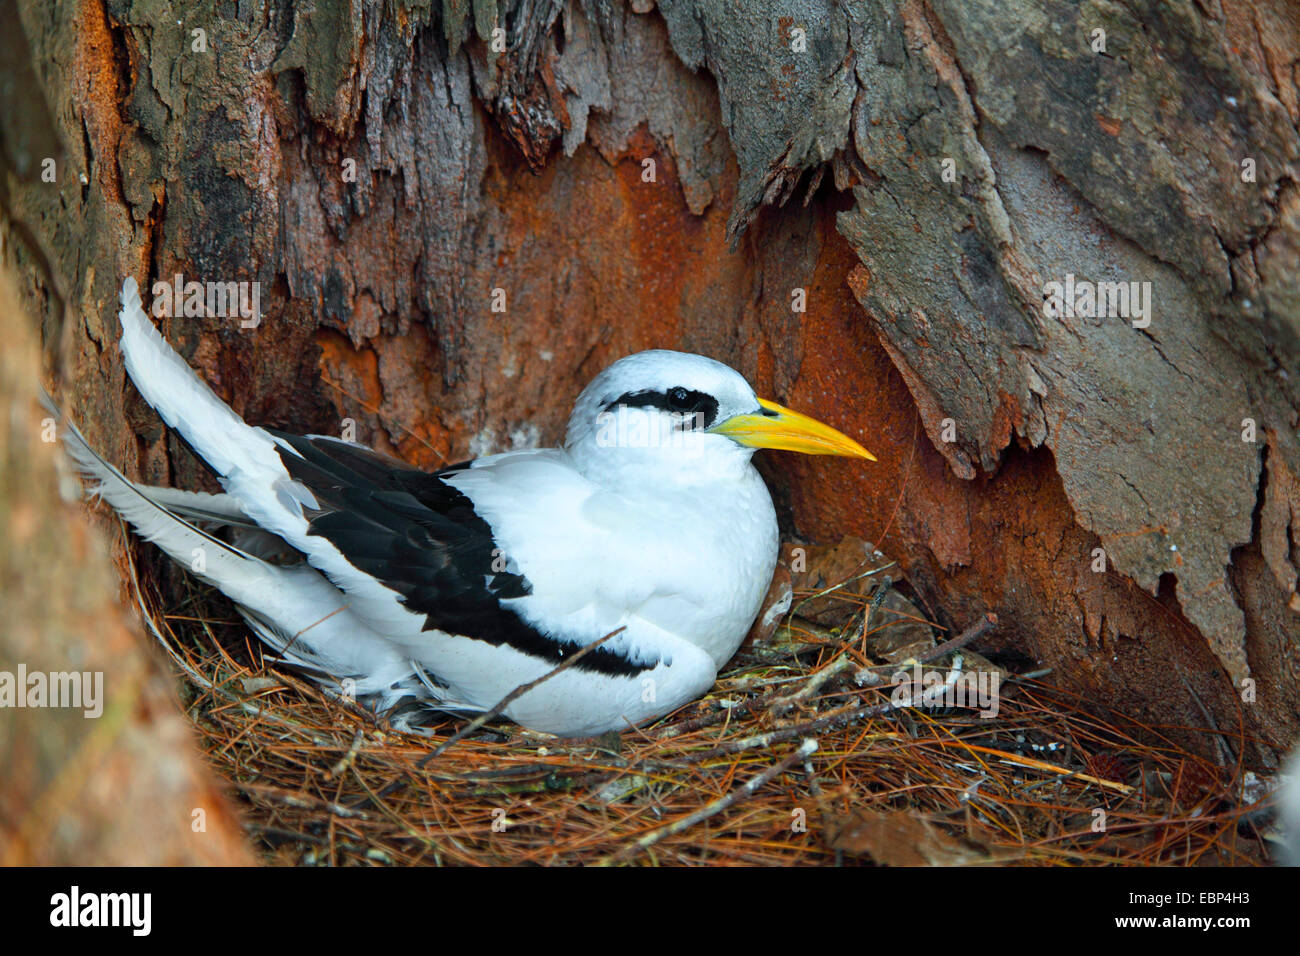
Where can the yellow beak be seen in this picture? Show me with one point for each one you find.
(779, 427)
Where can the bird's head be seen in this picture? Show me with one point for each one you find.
(686, 415)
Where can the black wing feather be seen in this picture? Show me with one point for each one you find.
(420, 536)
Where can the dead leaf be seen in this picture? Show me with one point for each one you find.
(815, 568)
(898, 624)
(775, 606)
(900, 838)
(255, 685)
(907, 652)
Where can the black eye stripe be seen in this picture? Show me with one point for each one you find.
(678, 400)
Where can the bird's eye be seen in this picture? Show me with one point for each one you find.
(679, 400)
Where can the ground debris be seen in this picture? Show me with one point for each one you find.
(800, 755)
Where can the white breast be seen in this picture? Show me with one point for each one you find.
(693, 562)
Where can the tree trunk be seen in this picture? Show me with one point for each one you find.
(459, 213)
(115, 779)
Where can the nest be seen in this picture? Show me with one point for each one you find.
(816, 746)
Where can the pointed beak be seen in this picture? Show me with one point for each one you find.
(779, 427)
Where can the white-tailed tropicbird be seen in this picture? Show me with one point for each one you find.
(448, 590)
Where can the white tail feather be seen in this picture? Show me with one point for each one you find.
(222, 510)
(246, 459)
(298, 613)
(183, 400)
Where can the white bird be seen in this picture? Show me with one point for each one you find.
(448, 590)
